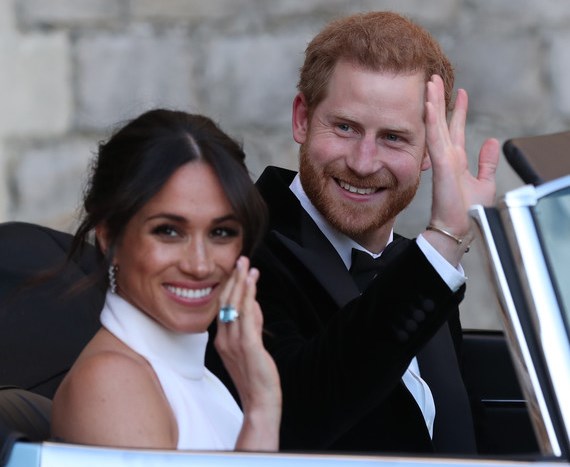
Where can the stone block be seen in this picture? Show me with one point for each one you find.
(438, 11)
(502, 74)
(47, 179)
(559, 66)
(521, 13)
(191, 10)
(302, 7)
(35, 84)
(251, 79)
(425, 13)
(6, 17)
(119, 75)
(32, 13)
(263, 148)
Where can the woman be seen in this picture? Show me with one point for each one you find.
(173, 210)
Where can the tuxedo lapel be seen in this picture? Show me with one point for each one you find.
(319, 256)
(298, 233)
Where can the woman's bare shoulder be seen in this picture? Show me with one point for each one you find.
(111, 396)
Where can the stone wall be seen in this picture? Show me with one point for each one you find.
(72, 69)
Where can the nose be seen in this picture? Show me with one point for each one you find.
(197, 260)
(364, 159)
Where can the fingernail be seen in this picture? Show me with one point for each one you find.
(252, 275)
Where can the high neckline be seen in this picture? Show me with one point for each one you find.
(184, 352)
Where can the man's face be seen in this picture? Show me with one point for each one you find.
(363, 149)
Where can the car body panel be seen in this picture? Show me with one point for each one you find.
(66, 455)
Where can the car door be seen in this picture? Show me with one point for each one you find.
(527, 241)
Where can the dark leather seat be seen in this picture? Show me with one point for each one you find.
(43, 326)
(24, 415)
(539, 159)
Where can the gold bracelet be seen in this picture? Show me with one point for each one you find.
(446, 233)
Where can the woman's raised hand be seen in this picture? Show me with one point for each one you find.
(253, 371)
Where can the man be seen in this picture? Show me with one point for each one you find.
(376, 369)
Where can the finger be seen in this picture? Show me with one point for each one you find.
(236, 295)
(228, 287)
(436, 96)
(459, 119)
(237, 343)
(437, 131)
(488, 160)
(227, 333)
(230, 296)
(251, 283)
(247, 307)
(252, 317)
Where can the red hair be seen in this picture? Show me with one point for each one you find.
(378, 41)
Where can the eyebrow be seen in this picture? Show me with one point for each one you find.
(341, 116)
(182, 219)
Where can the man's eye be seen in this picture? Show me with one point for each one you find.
(392, 137)
(344, 127)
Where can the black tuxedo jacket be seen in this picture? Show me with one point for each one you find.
(341, 355)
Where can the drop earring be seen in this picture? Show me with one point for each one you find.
(113, 268)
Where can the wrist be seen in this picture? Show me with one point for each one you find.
(447, 233)
(452, 247)
(260, 430)
(460, 240)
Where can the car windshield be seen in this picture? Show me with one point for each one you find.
(552, 214)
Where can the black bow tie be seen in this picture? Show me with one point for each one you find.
(364, 268)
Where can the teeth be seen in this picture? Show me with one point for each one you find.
(353, 189)
(190, 293)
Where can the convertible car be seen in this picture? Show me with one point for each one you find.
(518, 379)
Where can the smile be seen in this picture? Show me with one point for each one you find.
(354, 189)
(190, 293)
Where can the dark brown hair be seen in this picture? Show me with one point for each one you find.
(137, 161)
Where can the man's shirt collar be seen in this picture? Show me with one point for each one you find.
(341, 243)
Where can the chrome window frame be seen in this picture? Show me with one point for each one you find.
(543, 370)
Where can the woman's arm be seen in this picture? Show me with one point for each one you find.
(250, 366)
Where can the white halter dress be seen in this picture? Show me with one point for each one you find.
(207, 415)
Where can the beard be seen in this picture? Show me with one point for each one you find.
(351, 218)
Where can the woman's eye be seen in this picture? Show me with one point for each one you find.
(165, 231)
(225, 232)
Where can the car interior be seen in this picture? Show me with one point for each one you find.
(538, 159)
(44, 323)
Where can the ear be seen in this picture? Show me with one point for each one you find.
(426, 161)
(300, 118)
(102, 235)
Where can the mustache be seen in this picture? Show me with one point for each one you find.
(382, 179)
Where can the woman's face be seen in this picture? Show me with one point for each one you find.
(178, 251)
